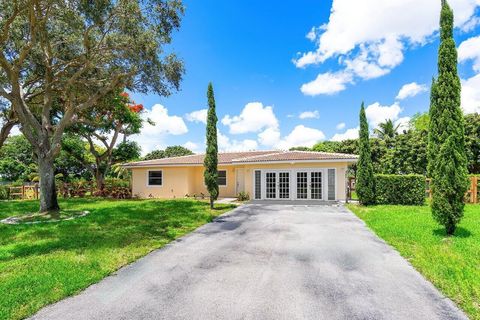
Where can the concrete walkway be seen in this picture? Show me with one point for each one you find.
(264, 261)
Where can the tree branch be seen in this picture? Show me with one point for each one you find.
(5, 94)
(5, 130)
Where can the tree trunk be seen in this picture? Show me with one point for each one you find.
(211, 202)
(48, 193)
(100, 179)
(450, 228)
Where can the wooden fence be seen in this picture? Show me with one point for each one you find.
(68, 190)
(472, 195)
(23, 192)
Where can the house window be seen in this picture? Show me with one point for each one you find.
(222, 178)
(155, 178)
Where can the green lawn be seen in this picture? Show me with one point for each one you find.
(452, 264)
(43, 263)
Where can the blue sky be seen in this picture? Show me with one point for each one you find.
(263, 58)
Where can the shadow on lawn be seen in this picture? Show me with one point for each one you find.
(459, 233)
(110, 225)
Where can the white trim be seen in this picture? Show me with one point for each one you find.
(148, 179)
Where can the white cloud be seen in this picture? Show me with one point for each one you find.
(257, 118)
(352, 133)
(153, 136)
(377, 59)
(226, 144)
(327, 83)
(269, 137)
(365, 50)
(411, 90)
(197, 116)
(309, 115)
(195, 147)
(340, 126)
(190, 145)
(253, 118)
(471, 94)
(299, 136)
(349, 134)
(312, 34)
(403, 123)
(470, 50)
(471, 24)
(377, 113)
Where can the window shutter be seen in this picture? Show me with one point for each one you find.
(331, 184)
(258, 184)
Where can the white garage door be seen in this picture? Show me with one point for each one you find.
(295, 184)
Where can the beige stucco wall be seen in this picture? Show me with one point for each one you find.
(176, 182)
(224, 191)
(180, 181)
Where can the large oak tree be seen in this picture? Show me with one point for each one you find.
(58, 58)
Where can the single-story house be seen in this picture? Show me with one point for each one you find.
(281, 175)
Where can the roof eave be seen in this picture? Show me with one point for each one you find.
(352, 160)
(348, 160)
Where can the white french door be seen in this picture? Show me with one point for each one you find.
(299, 184)
(310, 184)
(277, 185)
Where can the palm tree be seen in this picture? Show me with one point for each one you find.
(386, 130)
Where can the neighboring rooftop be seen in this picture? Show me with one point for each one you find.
(247, 157)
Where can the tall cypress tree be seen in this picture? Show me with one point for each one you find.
(211, 156)
(365, 182)
(448, 161)
(433, 143)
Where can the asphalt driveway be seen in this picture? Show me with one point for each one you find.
(266, 262)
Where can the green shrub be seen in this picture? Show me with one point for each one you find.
(243, 196)
(115, 182)
(400, 189)
(4, 192)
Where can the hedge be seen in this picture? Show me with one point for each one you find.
(4, 192)
(400, 189)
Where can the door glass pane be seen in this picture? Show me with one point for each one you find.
(258, 184)
(331, 184)
(316, 185)
(284, 185)
(271, 185)
(302, 185)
